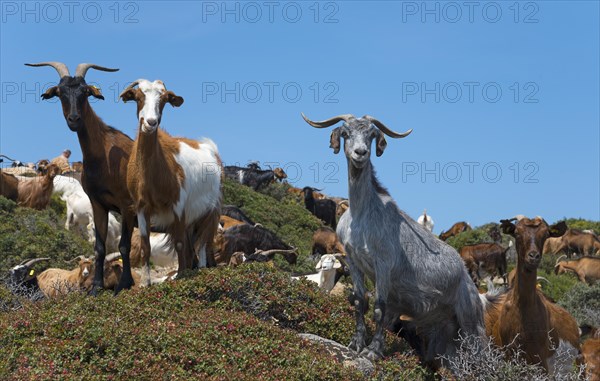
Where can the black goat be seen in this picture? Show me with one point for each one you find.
(22, 279)
(236, 213)
(323, 209)
(253, 176)
(248, 239)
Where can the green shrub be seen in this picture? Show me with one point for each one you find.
(27, 233)
(225, 323)
(583, 302)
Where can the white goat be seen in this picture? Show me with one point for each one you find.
(80, 214)
(426, 221)
(327, 266)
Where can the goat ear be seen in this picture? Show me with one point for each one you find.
(381, 143)
(174, 100)
(50, 93)
(337, 264)
(558, 229)
(128, 95)
(319, 265)
(95, 92)
(334, 140)
(507, 227)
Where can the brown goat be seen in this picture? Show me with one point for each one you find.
(587, 269)
(525, 318)
(105, 153)
(9, 186)
(54, 282)
(227, 222)
(552, 245)
(325, 241)
(455, 230)
(490, 257)
(35, 192)
(579, 242)
(113, 269)
(590, 350)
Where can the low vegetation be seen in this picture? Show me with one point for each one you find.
(219, 324)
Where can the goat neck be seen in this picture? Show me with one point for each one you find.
(363, 188)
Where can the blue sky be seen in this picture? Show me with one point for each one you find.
(503, 97)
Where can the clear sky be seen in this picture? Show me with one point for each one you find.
(503, 97)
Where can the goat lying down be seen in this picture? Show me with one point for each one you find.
(415, 274)
(327, 266)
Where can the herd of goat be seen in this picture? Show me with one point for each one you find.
(167, 191)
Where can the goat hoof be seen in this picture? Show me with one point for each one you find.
(371, 353)
(94, 291)
(357, 344)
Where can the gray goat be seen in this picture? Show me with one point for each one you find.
(415, 274)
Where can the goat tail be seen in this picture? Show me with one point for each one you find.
(469, 309)
(211, 144)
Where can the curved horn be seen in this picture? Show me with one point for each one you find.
(82, 68)
(558, 259)
(80, 257)
(344, 202)
(31, 262)
(328, 122)
(544, 279)
(111, 257)
(60, 67)
(385, 130)
(131, 86)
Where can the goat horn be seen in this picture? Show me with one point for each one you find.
(131, 86)
(343, 202)
(111, 257)
(385, 130)
(558, 259)
(273, 251)
(544, 279)
(82, 69)
(80, 257)
(31, 262)
(328, 122)
(60, 67)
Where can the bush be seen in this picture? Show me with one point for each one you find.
(225, 323)
(28, 233)
(583, 302)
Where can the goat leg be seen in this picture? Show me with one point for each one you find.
(361, 306)
(126, 281)
(101, 227)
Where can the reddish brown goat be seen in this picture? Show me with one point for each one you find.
(325, 241)
(456, 229)
(36, 192)
(590, 350)
(490, 257)
(587, 269)
(524, 317)
(576, 241)
(105, 153)
(9, 186)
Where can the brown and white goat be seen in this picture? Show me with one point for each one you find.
(587, 269)
(54, 282)
(105, 153)
(35, 192)
(524, 318)
(174, 182)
